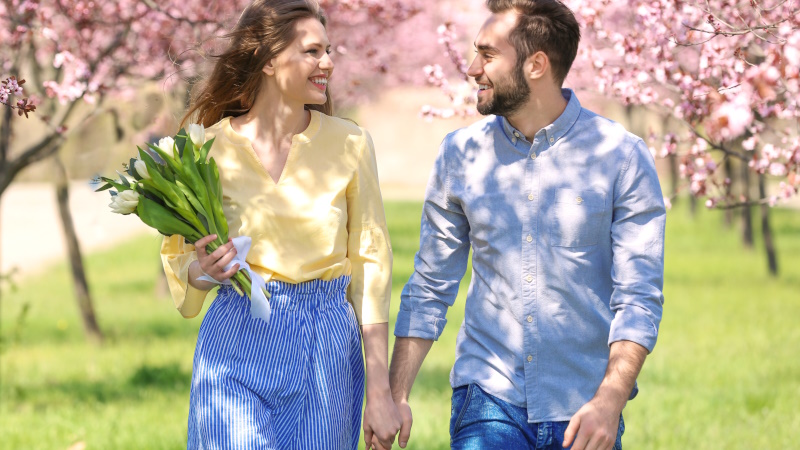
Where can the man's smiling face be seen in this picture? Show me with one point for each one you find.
(502, 87)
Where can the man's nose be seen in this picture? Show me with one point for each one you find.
(476, 68)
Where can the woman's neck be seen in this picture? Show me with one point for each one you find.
(270, 125)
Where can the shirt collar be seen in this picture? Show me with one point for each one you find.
(511, 133)
(555, 130)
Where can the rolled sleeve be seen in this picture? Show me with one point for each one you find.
(176, 256)
(637, 233)
(419, 325)
(368, 246)
(440, 262)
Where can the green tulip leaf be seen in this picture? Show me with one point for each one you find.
(132, 170)
(160, 218)
(180, 141)
(124, 180)
(174, 164)
(205, 149)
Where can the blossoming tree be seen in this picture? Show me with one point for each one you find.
(78, 54)
(726, 72)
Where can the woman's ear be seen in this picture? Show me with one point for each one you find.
(269, 67)
(537, 66)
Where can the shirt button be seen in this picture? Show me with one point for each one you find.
(529, 238)
(552, 140)
(530, 319)
(531, 197)
(516, 134)
(514, 140)
(533, 155)
(579, 200)
(530, 358)
(529, 278)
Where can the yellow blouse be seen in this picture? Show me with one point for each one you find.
(323, 219)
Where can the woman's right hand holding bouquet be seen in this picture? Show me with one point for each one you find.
(176, 189)
(212, 264)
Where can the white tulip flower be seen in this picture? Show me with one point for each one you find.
(125, 202)
(197, 133)
(166, 144)
(141, 169)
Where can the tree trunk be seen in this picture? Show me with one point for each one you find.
(2, 338)
(747, 217)
(674, 177)
(82, 294)
(766, 228)
(728, 167)
(5, 143)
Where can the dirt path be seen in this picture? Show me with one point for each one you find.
(31, 236)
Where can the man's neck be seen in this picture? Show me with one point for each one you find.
(541, 110)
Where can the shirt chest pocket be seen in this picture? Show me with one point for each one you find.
(577, 218)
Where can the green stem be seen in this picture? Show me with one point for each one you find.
(240, 281)
(243, 283)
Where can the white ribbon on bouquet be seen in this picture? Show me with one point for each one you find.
(259, 304)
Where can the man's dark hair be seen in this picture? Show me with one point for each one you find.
(543, 25)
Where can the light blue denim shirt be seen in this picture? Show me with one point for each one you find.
(567, 235)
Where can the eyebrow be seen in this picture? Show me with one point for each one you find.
(319, 45)
(486, 48)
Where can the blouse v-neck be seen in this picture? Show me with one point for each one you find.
(303, 137)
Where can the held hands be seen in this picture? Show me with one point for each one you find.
(407, 418)
(213, 264)
(594, 426)
(381, 421)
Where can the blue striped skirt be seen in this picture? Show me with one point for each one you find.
(295, 383)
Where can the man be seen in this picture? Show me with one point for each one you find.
(564, 214)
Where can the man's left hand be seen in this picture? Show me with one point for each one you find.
(594, 426)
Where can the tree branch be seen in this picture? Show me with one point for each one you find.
(763, 201)
(46, 147)
(154, 7)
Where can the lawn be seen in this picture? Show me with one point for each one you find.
(724, 375)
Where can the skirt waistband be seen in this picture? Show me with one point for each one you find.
(311, 294)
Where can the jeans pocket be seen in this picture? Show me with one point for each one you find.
(461, 398)
(620, 432)
(577, 218)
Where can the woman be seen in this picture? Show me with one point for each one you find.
(303, 185)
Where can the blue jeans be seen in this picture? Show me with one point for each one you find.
(479, 421)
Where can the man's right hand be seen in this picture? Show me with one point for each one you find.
(407, 357)
(407, 420)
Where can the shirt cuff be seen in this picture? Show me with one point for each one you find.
(636, 328)
(192, 302)
(411, 324)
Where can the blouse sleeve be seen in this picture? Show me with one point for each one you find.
(368, 246)
(177, 255)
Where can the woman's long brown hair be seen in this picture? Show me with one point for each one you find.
(265, 29)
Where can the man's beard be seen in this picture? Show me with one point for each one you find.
(508, 96)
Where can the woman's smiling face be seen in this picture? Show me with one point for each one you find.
(302, 70)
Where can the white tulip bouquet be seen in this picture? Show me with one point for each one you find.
(175, 188)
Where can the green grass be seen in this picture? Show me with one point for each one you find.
(725, 373)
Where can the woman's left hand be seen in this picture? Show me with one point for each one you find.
(382, 420)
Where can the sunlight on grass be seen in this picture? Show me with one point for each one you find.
(724, 375)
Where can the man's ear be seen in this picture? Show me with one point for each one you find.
(537, 65)
(269, 67)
